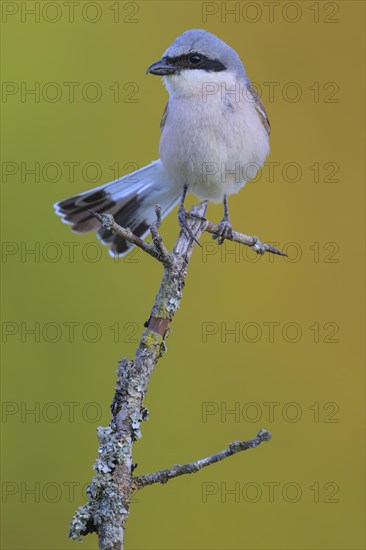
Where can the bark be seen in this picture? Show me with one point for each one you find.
(109, 493)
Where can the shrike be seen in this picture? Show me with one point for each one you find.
(214, 139)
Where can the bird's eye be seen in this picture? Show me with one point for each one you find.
(195, 59)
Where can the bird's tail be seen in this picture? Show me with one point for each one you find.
(130, 199)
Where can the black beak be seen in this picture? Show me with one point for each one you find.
(161, 68)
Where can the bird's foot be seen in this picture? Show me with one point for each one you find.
(182, 218)
(225, 230)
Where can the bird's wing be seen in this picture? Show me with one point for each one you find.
(259, 107)
(164, 117)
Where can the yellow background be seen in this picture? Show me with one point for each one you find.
(319, 384)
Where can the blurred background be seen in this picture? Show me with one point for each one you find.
(259, 342)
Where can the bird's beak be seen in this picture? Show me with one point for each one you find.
(161, 68)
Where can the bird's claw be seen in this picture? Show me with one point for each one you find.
(225, 231)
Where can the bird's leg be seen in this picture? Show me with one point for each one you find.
(182, 216)
(225, 228)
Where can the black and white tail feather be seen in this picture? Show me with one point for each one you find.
(130, 199)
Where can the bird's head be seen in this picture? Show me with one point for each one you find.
(195, 58)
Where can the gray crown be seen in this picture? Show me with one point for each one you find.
(201, 41)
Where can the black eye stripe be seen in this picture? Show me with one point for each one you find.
(212, 65)
(183, 60)
(206, 64)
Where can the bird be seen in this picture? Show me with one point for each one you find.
(214, 138)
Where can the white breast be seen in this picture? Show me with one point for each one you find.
(213, 139)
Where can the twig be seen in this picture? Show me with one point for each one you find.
(163, 476)
(109, 493)
(108, 222)
(164, 255)
(253, 242)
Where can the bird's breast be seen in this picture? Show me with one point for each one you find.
(209, 145)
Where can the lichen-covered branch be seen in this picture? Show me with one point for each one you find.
(163, 476)
(109, 493)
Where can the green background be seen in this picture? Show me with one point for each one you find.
(312, 378)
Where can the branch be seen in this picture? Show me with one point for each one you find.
(108, 222)
(253, 242)
(109, 493)
(163, 476)
(158, 250)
